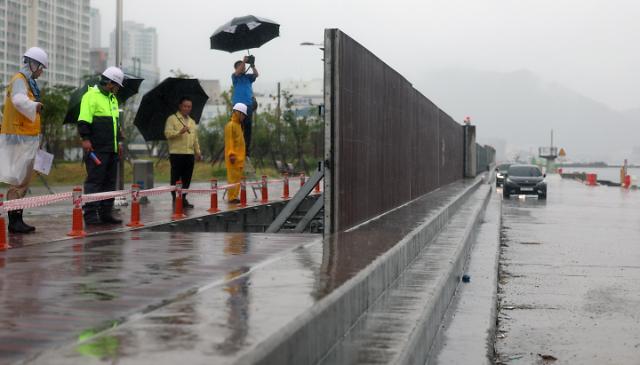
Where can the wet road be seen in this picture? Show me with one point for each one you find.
(570, 277)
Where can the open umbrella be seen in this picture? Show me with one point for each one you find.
(244, 32)
(130, 87)
(162, 101)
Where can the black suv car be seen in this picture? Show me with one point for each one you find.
(500, 171)
(524, 179)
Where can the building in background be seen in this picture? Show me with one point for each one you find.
(60, 27)
(95, 26)
(139, 54)
(13, 37)
(306, 96)
(212, 88)
(98, 58)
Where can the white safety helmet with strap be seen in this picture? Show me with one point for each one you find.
(39, 55)
(114, 74)
(242, 108)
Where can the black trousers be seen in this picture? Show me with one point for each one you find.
(246, 130)
(181, 169)
(100, 178)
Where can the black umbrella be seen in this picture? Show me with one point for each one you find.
(162, 101)
(244, 32)
(130, 87)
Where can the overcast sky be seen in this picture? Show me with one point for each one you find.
(590, 46)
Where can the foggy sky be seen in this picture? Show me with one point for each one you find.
(591, 47)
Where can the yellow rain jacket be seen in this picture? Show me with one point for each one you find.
(234, 145)
(181, 144)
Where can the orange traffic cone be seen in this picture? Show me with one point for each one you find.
(214, 197)
(178, 213)
(135, 207)
(3, 227)
(265, 190)
(243, 192)
(77, 224)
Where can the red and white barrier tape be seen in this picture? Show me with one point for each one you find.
(43, 200)
(157, 191)
(35, 201)
(209, 190)
(96, 197)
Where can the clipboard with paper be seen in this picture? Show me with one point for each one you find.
(43, 162)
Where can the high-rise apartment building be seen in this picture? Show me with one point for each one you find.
(13, 37)
(60, 27)
(139, 53)
(95, 40)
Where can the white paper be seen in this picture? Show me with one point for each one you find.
(43, 162)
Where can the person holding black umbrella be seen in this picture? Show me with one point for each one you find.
(184, 148)
(99, 128)
(243, 93)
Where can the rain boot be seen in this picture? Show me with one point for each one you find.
(106, 216)
(185, 202)
(15, 223)
(28, 226)
(91, 217)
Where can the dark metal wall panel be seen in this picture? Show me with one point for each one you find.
(389, 143)
(485, 157)
(451, 159)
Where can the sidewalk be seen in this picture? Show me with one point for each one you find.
(53, 222)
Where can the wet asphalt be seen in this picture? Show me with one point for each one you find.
(569, 277)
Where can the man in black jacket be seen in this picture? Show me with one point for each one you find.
(99, 127)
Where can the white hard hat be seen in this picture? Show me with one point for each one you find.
(241, 108)
(114, 74)
(39, 55)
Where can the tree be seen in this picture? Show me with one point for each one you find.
(56, 136)
(180, 74)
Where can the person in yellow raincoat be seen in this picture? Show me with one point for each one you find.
(234, 150)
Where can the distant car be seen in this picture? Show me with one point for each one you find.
(500, 171)
(524, 179)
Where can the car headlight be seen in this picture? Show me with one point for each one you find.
(500, 175)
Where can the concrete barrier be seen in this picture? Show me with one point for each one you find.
(309, 337)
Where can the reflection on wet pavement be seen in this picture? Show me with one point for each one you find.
(224, 322)
(57, 293)
(570, 276)
(166, 298)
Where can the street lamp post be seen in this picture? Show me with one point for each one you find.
(120, 176)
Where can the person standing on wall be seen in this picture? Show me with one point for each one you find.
(234, 150)
(20, 133)
(99, 128)
(184, 149)
(243, 93)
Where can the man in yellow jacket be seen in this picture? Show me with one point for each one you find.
(20, 133)
(184, 149)
(234, 150)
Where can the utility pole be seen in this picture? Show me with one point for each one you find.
(120, 177)
(278, 112)
(119, 33)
